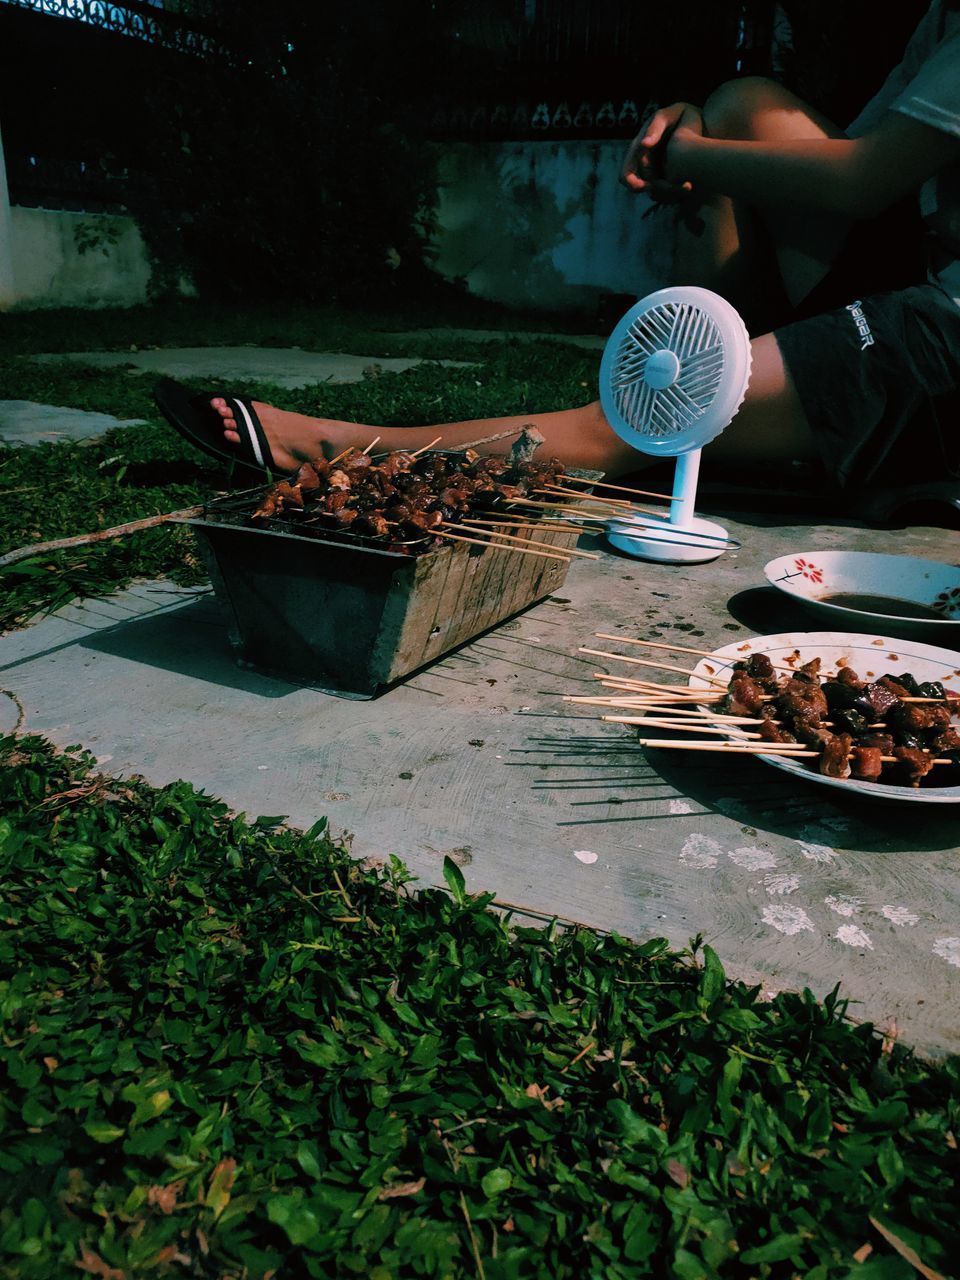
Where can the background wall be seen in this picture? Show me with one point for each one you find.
(542, 225)
(63, 259)
(545, 224)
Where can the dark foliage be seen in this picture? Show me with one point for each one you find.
(293, 164)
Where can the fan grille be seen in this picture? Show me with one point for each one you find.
(694, 338)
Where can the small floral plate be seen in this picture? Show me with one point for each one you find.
(898, 595)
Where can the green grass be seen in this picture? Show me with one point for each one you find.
(56, 491)
(365, 330)
(230, 1050)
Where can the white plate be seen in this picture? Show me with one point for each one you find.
(808, 576)
(871, 657)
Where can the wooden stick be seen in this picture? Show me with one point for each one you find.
(682, 693)
(674, 648)
(513, 538)
(518, 522)
(342, 454)
(546, 522)
(660, 691)
(616, 506)
(643, 662)
(425, 447)
(621, 488)
(687, 726)
(722, 725)
(688, 716)
(102, 535)
(585, 497)
(575, 508)
(683, 716)
(372, 443)
(744, 748)
(654, 686)
(750, 748)
(498, 546)
(677, 648)
(701, 653)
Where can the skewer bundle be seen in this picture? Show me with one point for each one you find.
(409, 501)
(848, 726)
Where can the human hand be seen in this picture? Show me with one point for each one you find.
(645, 165)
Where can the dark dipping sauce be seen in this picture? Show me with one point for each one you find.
(889, 606)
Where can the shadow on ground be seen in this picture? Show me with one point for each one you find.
(604, 772)
(189, 641)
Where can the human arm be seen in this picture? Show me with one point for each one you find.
(857, 177)
(643, 165)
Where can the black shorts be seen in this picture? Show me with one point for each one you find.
(874, 370)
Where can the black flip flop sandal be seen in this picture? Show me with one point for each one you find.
(190, 413)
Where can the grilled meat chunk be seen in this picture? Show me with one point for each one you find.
(913, 764)
(865, 763)
(835, 756)
(745, 696)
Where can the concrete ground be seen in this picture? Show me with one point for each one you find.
(24, 423)
(478, 757)
(288, 367)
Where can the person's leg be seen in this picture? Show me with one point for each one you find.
(581, 437)
(718, 246)
(770, 424)
(712, 252)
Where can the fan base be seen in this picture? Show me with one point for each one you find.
(650, 538)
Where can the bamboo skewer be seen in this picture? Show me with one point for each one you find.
(621, 488)
(612, 508)
(751, 748)
(680, 713)
(513, 538)
(499, 546)
(643, 662)
(662, 699)
(664, 705)
(425, 447)
(545, 525)
(709, 724)
(343, 453)
(682, 693)
(579, 508)
(586, 497)
(705, 653)
(680, 648)
(680, 716)
(372, 443)
(685, 726)
(657, 688)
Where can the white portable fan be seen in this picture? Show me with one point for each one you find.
(674, 373)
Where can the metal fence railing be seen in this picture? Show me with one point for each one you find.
(187, 26)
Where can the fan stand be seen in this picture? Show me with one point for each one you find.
(680, 538)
